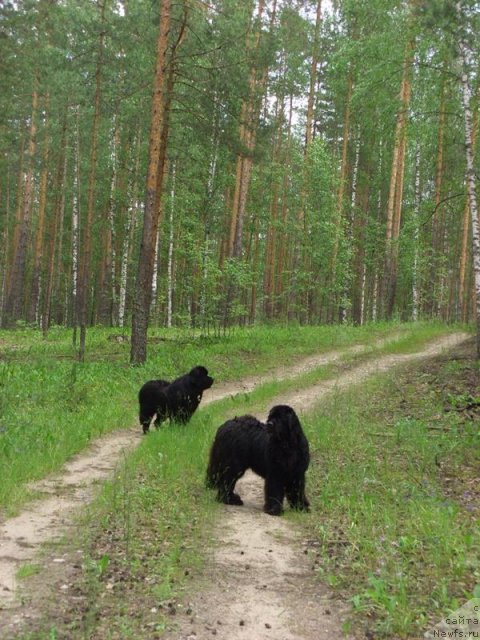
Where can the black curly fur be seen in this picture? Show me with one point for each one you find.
(277, 451)
(177, 400)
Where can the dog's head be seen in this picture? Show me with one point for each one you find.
(283, 423)
(200, 378)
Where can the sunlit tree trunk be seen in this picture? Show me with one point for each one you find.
(360, 213)
(463, 292)
(471, 182)
(155, 173)
(40, 235)
(395, 197)
(75, 221)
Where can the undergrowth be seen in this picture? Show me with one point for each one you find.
(394, 534)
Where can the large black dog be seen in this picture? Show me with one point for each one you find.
(277, 451)
(176, 400)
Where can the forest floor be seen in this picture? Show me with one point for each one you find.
(257, 581)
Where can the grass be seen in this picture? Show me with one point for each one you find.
(393, 535)
(147, 533)
(51, 407)
(27, 570)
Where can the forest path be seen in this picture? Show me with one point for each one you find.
(289, 600)
(64, 493)
(259, 582)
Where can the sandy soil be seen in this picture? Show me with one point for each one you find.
(268, 591)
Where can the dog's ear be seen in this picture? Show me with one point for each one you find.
(284, 422)
(201, 379)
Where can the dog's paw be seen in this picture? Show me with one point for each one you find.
(273, 510)
(234, 499)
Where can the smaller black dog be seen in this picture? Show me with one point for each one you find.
(277, 451)
(177, 400)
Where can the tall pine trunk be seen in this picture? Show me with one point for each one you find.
(155, 173)
(395, 196)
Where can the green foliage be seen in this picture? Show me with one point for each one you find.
(398, 539)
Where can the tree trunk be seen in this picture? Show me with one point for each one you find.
(39, 238)
(129, 229)
(52, 233)
(471, 185)
(360, 214)
(75, 222)
(284, 239)
(85, 269)
(313, 78)
(437, 254)
(341, 191)
(107, 269)
(170, 249)
(394, 206)
(463, 291)
(156, 159)
(15, 293)
(416, 217)
(212, 172)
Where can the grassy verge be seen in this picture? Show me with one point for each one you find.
(395, 484)
(52, 406)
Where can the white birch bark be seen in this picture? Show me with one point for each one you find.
(416, 216)
(470, 177)
(212, 171)
(75, 216)
(122, 294)
(111, 207)
(155, 270)
(170, 249)
(349, 234)
(128, 237)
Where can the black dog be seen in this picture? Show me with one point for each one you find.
(176, 400)
(277, 451)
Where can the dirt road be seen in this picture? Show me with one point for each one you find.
(259, 583)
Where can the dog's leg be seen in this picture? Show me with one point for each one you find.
(145, 419)
(158, 420)
(274, 495)
(296, 496)
(225, 484)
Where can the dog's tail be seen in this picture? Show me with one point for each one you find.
(211, 479)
